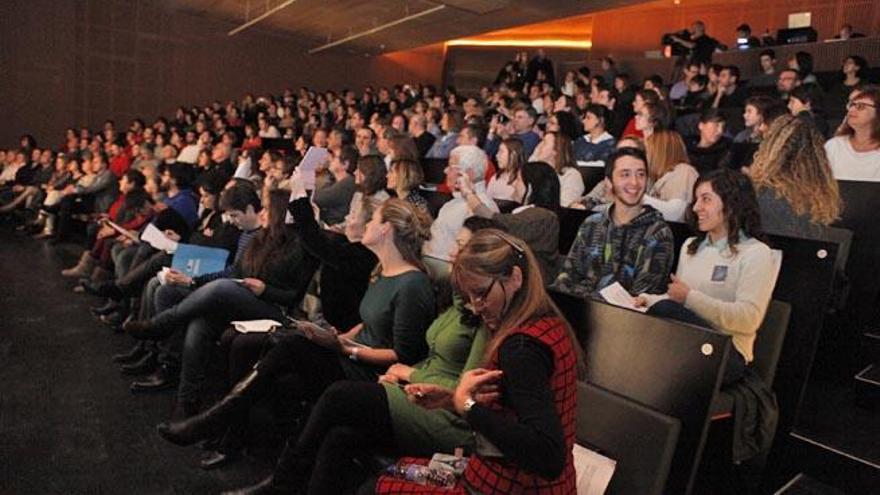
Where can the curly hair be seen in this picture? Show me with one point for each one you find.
(792, 163)
(740, 207)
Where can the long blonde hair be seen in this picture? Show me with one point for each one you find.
(493, 253)
(792, 162)
(665, 149)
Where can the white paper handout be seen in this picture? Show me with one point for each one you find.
(122, 230)
(158, 240)
(252, 326)
(615, 294)
(593, 471)
(315, 157)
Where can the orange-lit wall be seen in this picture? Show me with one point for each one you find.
(423, 65)
(631, 31)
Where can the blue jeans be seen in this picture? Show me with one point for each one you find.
(736, 363)
(206, 313)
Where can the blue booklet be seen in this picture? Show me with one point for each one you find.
(198, 260)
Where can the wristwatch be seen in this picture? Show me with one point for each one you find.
(469, 403)
(354, 354)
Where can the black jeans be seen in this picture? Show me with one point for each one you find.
(736, 363)
(350, 419)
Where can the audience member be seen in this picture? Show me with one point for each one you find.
(711, 149)
(556, 150)
(404, 177)
(593, 148)
(507, 183)
(464, 160)
(629, 243)
(725, 274)
(537, 221)
(532, 355)
(671, 177)
(854, 153)
(797, 193)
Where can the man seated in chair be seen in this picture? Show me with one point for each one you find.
(628, 243)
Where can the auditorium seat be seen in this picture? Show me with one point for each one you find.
(670, 366)
(768, 347)
(639, 439)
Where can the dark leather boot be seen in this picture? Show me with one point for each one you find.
(146, 330)
(108, 307)
(214, 420)
(146, 364)
(107, 289)
(161, 379)
(131, 355)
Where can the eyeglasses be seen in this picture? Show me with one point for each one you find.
(480, 300)
(859, 105)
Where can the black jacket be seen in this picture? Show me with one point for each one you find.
(345, 267)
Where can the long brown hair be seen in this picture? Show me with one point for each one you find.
(492, 253)
(564, 152)
(516, 158)
(665, 149)
(791, 162)
(412, 227)
(741, 212)
(270, 239)
(404, 147)
(871, 92)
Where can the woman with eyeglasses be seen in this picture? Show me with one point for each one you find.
(854, 154)
(352, 418)
(521, 403)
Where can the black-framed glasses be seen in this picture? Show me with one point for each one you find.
(859, 105)
(480, 300)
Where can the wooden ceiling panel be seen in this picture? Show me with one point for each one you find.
(316, 22)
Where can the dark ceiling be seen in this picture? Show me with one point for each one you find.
(315, 23)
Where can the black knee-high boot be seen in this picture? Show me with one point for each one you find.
(215, 419)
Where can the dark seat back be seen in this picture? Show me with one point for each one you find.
(570, 221)
(591, 176)
(641, 440)
(768, 342)
(435, 200)
(434, 170)
(672, 367)
(507, 206)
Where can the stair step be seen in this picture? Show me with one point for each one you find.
(867, 387)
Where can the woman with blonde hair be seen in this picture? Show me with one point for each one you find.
(797, 193)
(395, 311)
(524, 436)
(672, 178)
(404, 177)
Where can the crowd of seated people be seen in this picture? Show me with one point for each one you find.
(373, 355)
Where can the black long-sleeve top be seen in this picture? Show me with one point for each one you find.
(286, 273)
(534, 438)
(345, 271)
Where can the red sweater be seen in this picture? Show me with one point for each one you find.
(119, 165)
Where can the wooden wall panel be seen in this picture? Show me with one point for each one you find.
(77, 63)
(631, 31)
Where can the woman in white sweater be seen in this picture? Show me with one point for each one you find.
(556, 149)
(725, 274)
(672, 178)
